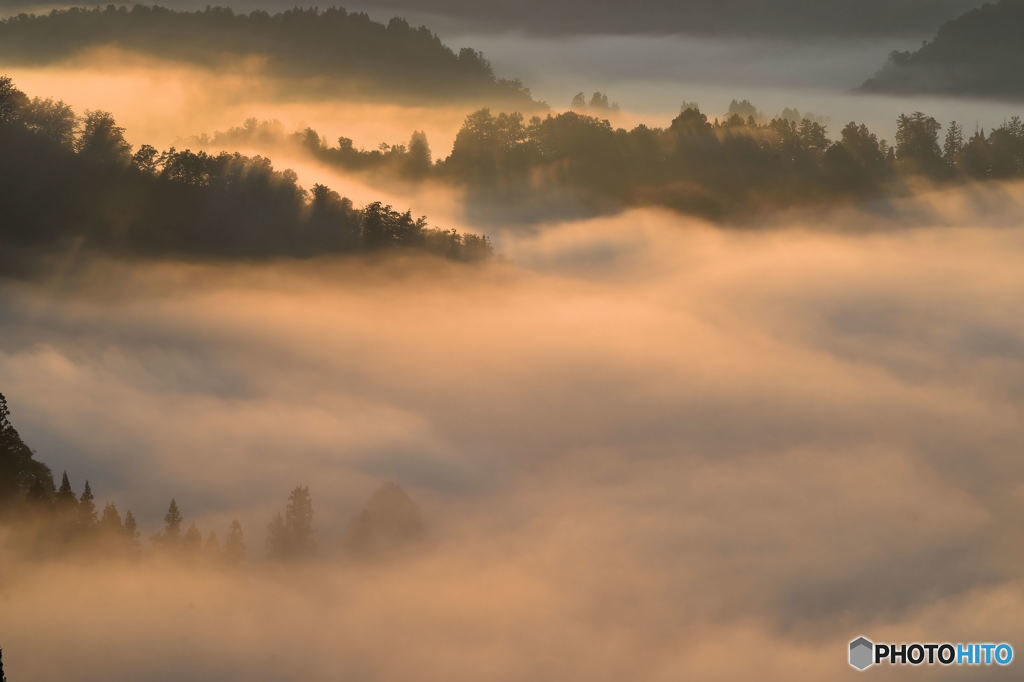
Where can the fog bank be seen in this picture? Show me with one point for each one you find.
(643, 447)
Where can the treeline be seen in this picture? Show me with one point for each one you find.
(731, 168)
(332, 51)
(979, 54)
(47, 521)
(71, 182)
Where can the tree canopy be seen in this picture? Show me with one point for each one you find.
(93, 190)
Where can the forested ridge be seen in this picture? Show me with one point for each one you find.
(980, 53)
(331, 52)
(733, 168)
(74, 182)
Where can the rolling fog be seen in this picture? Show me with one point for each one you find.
(645, 447)
(642, 446)
(164, 103)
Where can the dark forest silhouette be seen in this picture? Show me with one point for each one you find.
(330, 52)
(729, 169)
(48, 521)
(76, 183)
(978, 54)
(787, 18)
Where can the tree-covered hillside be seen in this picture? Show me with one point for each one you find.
(331, 51)
(516, 169)
(74, 183)
(979, 54)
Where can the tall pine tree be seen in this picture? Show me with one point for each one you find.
(171, 535)
(65, 495)
(87, 508)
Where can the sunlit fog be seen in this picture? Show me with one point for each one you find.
(333, 347)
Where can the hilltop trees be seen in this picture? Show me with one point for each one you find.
(11, 100)
(304, 48)
(977, 54)
(574, 163)
(953, 145)
(181, 202)
(418, 161)
(917, 143)
(102, 140)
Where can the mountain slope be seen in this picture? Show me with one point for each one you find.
(979, 54)
(332, 52)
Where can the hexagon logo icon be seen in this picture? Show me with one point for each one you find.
(862, 653)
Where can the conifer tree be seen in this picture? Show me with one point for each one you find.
(65, 495)
(193, 540)
(172, 521)
(234, 545)
(111, 520)
(131, 528)
(18, 469)
(3, 678)
(291, 535)
(212, 547)
(953, 145)
(38, 496)
(87, 508)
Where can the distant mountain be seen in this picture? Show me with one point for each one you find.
(979, 54)
(330, 52)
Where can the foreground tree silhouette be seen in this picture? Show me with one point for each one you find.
(103, 140)
(181, 202)
(291, 536)
(3, 678)
(18, 470)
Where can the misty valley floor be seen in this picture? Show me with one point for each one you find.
(643, 447)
